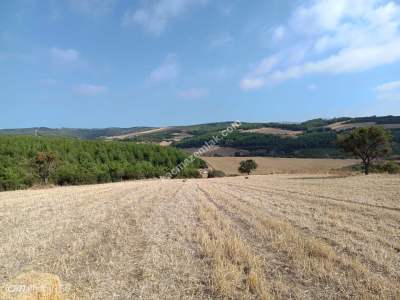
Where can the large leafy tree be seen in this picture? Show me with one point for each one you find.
(368, 144)
(246, 166)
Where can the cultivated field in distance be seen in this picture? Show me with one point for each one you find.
(268, 165)
(276, 131)
(276, 236)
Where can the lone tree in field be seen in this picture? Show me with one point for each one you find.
(367, 144)
(45, 163)
(246, 166)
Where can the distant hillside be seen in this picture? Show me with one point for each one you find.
(312, 138)
(88, 134)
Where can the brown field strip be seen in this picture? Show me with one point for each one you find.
(274, 165)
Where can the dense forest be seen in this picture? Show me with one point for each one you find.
(377, 120)
(85, 162)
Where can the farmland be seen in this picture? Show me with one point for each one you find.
(268, 165)
(276, 236)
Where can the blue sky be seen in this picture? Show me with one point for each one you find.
(101, 63)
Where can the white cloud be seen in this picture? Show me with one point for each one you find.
(90, 89)
(278, 33)
(312, 87)
(348, 60)
(167, 71)
(389, 91)
(64, 56)
(266, 65)
(252, 83)
(221, 40)
(155, 17)
(388, 87)
(92, 7)
(337, 36)
(193, 93)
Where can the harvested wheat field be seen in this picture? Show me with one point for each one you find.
(276, 131)
(276, 236)
(277, 165)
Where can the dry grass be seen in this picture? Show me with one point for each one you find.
(33, 286)
(275, 131)
(340, 126)
(276, 236)
(137, 133)
(272, 165)
(235, 271)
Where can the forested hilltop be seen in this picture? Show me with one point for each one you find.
(310, 139)
(24, 160)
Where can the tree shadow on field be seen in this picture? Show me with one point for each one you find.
(321, 177)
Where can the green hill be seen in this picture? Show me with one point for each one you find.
(312, 138)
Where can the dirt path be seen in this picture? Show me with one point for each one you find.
(135, 134)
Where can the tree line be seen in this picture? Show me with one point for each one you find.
(26, 161)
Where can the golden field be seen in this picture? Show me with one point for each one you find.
(275, 165)
(267, 237)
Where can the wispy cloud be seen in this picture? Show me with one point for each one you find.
(388, 87)
(221, 40)
(312, 87)
(339, 36)
(226, 9)
(254, 79)
(92, 7)
(193, 93)
(389, 91)
(168, 70)
(155, 16)
(90, 89)
(251, 83)
(278, 33)
(64, 56)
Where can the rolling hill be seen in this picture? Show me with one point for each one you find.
(313, 138)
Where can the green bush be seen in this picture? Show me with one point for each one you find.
(215, 173)
(189, 173)
(390, 167)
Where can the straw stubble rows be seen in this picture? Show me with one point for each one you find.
(278, 236)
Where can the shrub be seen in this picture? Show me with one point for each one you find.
(189, 173)
(390, 167)
(215, 173)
